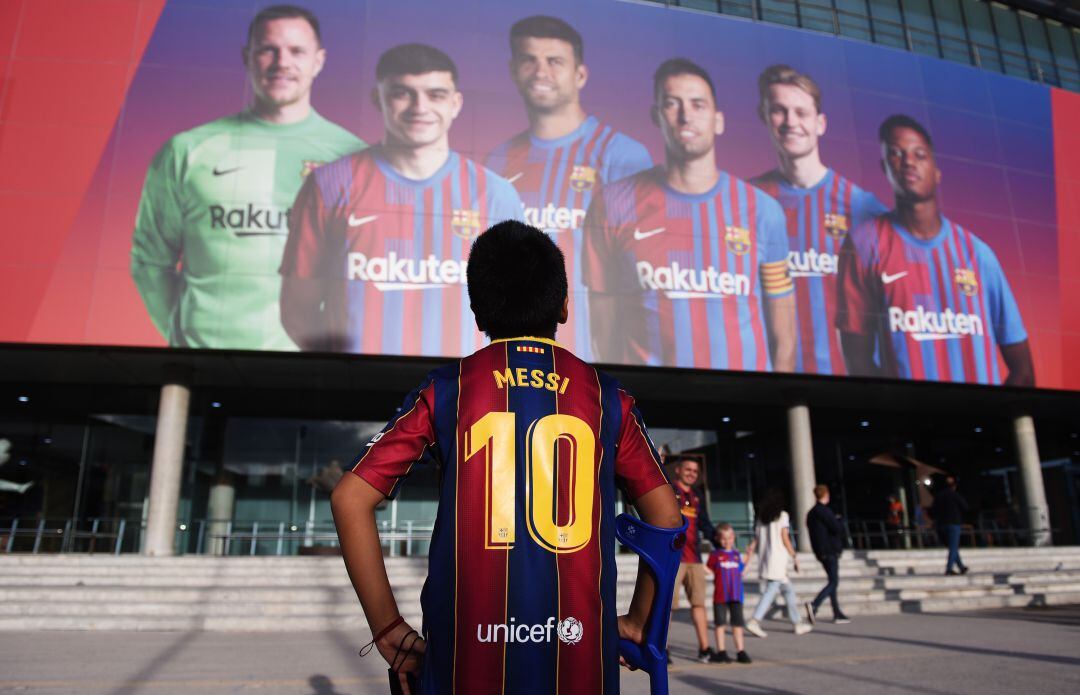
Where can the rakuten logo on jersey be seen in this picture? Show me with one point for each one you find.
(569, 631)
(678, 282)
(554, 219)
(392, 272)
(922, 325)
(250, 220)
(812, 263)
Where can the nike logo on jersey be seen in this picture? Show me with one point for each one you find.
(222, 172)
(360, 221)
(515, 177)
(639, 235)
(887, 279)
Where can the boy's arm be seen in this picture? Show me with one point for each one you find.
(353, 504)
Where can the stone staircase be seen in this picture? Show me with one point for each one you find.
(95, 592)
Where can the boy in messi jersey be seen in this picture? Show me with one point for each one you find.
(928, 294)
(214, 212)
(687, 265)
(566, 155)
(821, 206)
(375, 261)
(531, 444)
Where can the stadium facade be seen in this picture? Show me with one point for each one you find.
(135, 425)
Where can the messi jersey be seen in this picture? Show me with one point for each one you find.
(818, 219)
(938, 307)
(690, 270)
(216, 204)
(531, 443)
(390, 252)
(557, 180)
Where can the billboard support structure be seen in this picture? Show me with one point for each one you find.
(1027, 450)
(801, 447)
(168, 463)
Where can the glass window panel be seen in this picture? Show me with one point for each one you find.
(888, 27)
(920, 25)
(817, 15)
(950, 25)
(852, 19)
(779, 12)
(739, 8)
(981, 32)
(1038, 48)
(1061, 44)
(710, 5)
(1009, 38)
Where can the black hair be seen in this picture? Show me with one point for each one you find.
(269, 14)
(769, 506)
(544, 27)
(414, 59)
(680, 66)
(517, 281)
(899, 120)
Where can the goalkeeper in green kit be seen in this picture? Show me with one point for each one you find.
(213, 218)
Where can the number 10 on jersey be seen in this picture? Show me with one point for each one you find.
(495, 434)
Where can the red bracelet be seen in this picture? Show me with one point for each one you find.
(383, 633)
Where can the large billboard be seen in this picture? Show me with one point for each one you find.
(728, 194)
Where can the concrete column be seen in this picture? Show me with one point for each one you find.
(219, 509)
(168, 464)
(1027, 449)
(802, 469)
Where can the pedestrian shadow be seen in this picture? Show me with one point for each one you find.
(322, 685)
(705, 684)
(1067, 616)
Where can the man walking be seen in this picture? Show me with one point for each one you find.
(827, 540)
(948, 513)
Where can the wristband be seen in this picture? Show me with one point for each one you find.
(382, 633)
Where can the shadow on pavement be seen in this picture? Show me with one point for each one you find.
(165, 656)
(322, 685)
(705, 684)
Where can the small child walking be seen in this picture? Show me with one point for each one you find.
(727, 567)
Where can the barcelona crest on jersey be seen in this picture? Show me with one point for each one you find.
(738, 240)
(582, 178)
(966, 281)
(836, 225)
(466, 223)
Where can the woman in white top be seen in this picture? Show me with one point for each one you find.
(772, 542)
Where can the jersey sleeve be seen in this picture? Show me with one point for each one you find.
(157, 243)
(625, 157)
(713, 561)
(772, 236)
(505, 203)
(865, 206)
(405, 441)
(637, 465)
(855, 290)
(308, 222)
(1003, 310)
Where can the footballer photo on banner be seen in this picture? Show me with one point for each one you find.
(376, 256)
(686, 264)
(214, 211)
(921, 297)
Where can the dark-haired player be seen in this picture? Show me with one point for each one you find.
(564, 157)
(375, 262)
(928, 294)
(214, 212)
(687, 265)
(531, 444)
(821, 206)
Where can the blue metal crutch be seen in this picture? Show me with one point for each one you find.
(660, 549)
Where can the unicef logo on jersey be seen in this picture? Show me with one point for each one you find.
(571, 631)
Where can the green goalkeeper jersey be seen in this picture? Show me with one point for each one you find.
(212, 225)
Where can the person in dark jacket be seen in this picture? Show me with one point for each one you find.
(827, 540)
(948, 513)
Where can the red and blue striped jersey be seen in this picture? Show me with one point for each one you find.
(390, 252)
(818, 219)
(692, 270)
(557, 180)
(531, 444)
(938, 307)
(727, 568)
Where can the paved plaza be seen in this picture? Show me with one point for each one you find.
(1001, 651)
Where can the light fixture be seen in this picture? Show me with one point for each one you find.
(864, 423)
(24, 399)
(47, 440)
(183, 527)
(215, 404)
(293, 527)
(978, 429)
(751, 455)
(926, 482)
(851, 457)
(725, 419)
